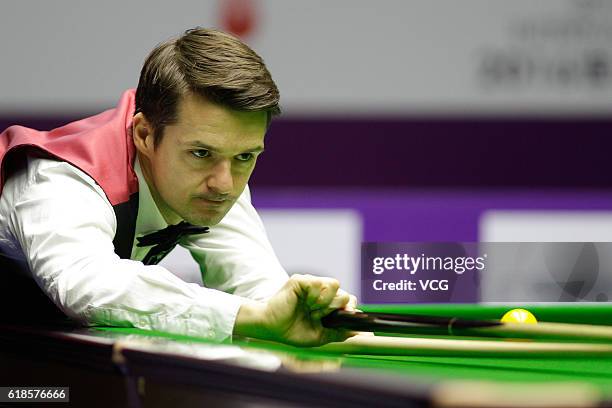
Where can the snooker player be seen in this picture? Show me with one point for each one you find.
(93, 206)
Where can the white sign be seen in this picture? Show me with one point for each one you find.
(341, 57)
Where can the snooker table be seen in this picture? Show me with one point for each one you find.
(109, 367)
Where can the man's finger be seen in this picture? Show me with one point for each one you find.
(352, 303)
(339, 302)
(329, 291)
(309, 288)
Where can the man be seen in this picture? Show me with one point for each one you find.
(81, 204)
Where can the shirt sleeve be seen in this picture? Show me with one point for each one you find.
(236, 255)
(65, 226)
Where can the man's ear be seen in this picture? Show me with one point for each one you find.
(143, 134)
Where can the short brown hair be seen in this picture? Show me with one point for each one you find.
(209, 63)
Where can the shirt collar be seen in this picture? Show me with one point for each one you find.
(149, 218)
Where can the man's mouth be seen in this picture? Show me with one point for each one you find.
(213, 201)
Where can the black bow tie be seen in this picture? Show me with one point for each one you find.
(166, 239)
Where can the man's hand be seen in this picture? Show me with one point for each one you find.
(293, 315)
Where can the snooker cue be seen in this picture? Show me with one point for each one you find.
(451, 326)
(410, 346)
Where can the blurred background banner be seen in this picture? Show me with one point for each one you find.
(498, 272)
(420, 120)
(341, 57)
(531, 272)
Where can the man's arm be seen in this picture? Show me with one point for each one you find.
(65, 227)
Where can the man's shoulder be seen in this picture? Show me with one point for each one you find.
(46, 165)
(100, 146)
(37, 170)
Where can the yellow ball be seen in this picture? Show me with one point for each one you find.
(519, 316)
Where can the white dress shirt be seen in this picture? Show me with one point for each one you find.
(59, 220)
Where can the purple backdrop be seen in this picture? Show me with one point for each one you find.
(427, 179)
(433, 152)
(429, 215)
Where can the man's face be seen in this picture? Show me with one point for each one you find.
(203, 162)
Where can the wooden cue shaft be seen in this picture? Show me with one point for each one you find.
(383, 345)
(543, 330)
(491, 394)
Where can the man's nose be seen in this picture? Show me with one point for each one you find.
(220, 180)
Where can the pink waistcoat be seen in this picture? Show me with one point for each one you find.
(101, 146)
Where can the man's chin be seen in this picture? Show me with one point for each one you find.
(208, 220)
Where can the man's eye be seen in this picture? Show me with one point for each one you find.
(200, 153)
(244, 157)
